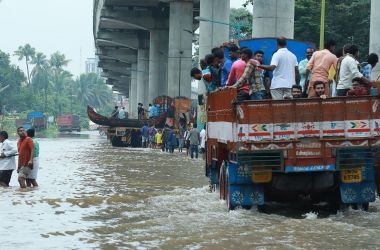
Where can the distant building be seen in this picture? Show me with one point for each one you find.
(92, 66)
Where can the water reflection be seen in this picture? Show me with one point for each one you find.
(96, 196)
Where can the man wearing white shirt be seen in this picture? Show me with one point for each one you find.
(285, 71)
(7, 159)
(349, 69)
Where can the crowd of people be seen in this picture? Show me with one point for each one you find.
(121, 113)
(321, 74)
(28, 158)
(168, 139)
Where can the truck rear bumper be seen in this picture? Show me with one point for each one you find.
(304, 183)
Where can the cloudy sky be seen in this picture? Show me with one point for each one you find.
(50, 26)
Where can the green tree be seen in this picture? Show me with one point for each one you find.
(11, 78)
(91, 90)
(346, 21)
(58, 61)
(240, 22)
(40, 75)
(28, 53)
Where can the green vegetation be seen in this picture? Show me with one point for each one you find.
(346, 21)
(48, 87)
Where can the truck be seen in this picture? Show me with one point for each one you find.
(278, 150)
(34, 119)
(68, 123)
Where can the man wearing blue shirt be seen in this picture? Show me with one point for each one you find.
(234, 55)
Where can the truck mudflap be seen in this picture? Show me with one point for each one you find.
(357, 175)
(240, 190)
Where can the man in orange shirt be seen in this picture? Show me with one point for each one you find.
(25, 147)
(320, 63)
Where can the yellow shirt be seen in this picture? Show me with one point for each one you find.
(159, 138)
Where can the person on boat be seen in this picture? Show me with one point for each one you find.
(154, 111)
(7, 159)
(115, 112)
(121, 114)
(32, 178)
(140, 111)
(25, 147)
(150, 114)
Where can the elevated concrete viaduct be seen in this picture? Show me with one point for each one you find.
(145, 46)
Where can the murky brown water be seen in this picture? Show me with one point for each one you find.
(93, 196)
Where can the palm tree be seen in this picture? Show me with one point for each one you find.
(59, 79)
(28, 53)
(91, 90)
(40, 74)
(58, 60)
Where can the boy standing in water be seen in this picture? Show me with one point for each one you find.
(31, 179)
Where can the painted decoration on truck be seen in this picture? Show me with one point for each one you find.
(357, 128)
(333, 128)
(283, 131)
(242, 132)
(375, 127)
(308, 129)
(260, 132)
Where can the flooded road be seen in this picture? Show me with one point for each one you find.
(93, 196)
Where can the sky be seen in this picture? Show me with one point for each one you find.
(50, 26)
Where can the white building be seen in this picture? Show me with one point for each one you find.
(92, 66)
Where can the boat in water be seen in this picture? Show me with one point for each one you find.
(128, 123)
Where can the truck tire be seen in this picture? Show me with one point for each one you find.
(116, 141)
(227, 192)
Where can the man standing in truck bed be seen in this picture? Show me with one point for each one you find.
(285, 71)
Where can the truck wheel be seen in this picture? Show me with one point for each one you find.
(222, 186)
(360, 206)
(116, 141)
(227, 192)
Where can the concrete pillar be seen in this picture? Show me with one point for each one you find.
(273, 18)
(142, 76)
(213, 34)
(374, 35)
(158, 63)
(180, 48)
(133, 92)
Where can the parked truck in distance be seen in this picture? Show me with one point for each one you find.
(34, 119)
(68, 123)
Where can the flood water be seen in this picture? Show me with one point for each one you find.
(93, 196)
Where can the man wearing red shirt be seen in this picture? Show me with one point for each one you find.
(25, 156)
(236, 73)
